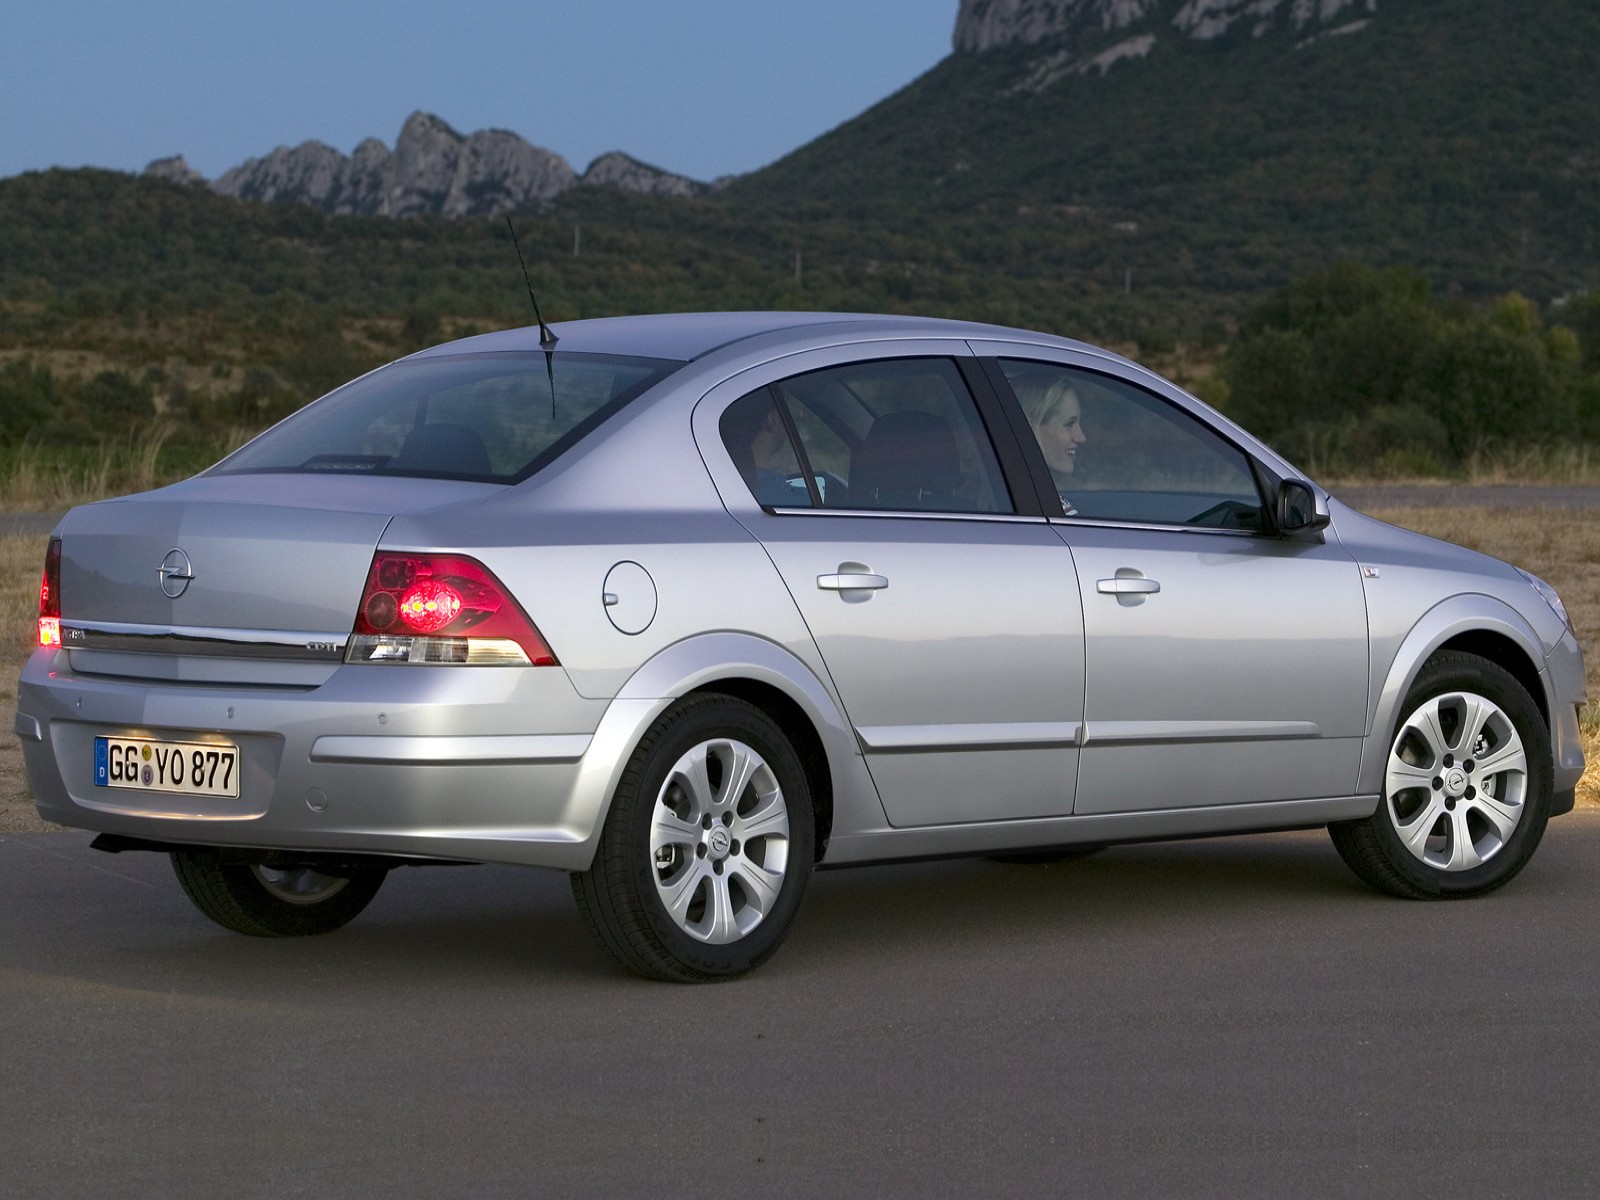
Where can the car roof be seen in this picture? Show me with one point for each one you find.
(685, 337)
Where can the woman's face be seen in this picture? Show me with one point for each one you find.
(1060, 434)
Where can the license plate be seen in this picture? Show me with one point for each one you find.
(152, 765)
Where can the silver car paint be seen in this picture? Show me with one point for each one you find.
(985, 591)
(528, 759)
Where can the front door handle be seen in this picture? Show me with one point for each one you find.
(852, 581)
(1127, 585)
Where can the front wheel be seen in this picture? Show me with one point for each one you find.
(707, 849)
(267, 901)
(1466, 786)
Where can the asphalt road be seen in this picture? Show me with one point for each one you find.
(1225, 1018)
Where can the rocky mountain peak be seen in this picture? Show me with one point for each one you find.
(433, 168)
(1094, 26)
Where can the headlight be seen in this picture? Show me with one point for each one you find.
(1550, 597)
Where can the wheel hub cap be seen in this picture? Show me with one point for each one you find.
(1456, 781)
(719, 841)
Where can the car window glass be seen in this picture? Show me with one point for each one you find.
(900, 434)
(758, 441)
(493, 417)
(1119, 453)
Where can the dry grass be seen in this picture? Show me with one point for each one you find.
(1564, 465)
(33, 479)
(21, 563)
(1562, 546)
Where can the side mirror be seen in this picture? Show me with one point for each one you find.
(1297, 509)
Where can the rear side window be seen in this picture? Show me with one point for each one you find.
(492, 417)
(898, 434)
(757, 437)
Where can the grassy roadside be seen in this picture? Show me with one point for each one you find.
(1561, 545)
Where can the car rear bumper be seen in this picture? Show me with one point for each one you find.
(461, 763)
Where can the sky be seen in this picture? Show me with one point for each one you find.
(699, 87)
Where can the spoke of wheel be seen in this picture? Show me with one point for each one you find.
(1426, 723)
(769, 819)
(1507, 759)
(720, 926)
(1463, 854)
(761, 885)
(1415, 833)
(693, 773)
(678, 893)
(1402, 775)
(742, 763)
(1478, 715)
(1502, 816)
(669, 829)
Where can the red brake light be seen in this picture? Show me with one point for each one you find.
(50, 596)
(440, 599)
(428, 606)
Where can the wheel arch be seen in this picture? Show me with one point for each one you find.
(1473, 624)
(802, 734)
(762, 673)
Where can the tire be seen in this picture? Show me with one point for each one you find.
(1466, 786)
(266, 901)
(707, 849)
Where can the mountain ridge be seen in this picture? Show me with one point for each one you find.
(984, 25)
(432, 169)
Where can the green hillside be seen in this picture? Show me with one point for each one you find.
(1155, 208)
(1455, 136)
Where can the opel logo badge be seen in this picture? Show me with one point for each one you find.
(175, 573)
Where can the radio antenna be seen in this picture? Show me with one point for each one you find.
(547, 339)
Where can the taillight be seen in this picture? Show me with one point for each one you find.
(438, 609)
(50, 597)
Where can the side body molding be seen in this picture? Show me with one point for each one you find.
(701, 662)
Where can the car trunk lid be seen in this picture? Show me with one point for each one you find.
(252, 579)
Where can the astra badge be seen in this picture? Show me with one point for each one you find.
(175, 572)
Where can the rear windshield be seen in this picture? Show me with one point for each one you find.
(492, 417)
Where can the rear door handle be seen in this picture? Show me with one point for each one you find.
(1127, 586)
(849, 581)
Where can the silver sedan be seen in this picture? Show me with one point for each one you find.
(690, 605)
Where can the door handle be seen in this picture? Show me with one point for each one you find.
(1125, 585)
(850, 581)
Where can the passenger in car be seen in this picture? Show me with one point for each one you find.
(760, 446)
(1056, 416)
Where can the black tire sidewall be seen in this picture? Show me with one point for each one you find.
(1468, 673)
(679, 731)
(233, 896)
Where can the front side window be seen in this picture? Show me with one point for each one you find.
(893, 434)
(1119, 453)
(491, 417)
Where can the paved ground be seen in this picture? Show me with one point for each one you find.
(1226, 1018)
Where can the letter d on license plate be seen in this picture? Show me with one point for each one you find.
(188, 768)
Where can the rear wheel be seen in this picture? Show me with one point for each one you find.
(1466, 786)
(707, 849)
(266, 901)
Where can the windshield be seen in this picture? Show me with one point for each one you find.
(491, 417)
